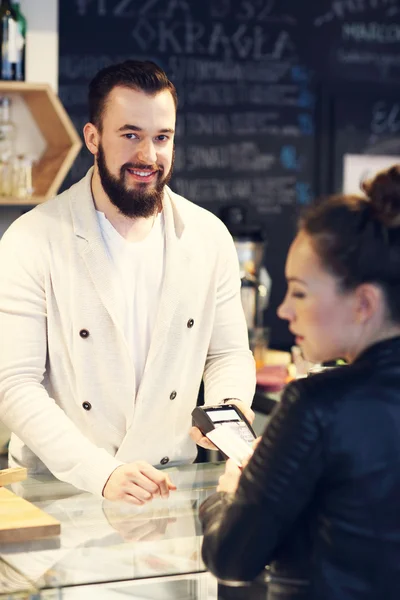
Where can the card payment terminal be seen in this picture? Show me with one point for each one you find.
(227, 427)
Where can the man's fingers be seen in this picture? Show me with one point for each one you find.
(248, 413)
(132, 499)
(140, 479)
(207, 444)
(170, 484)
(246, 410)
(195, 434)
(201, 440)
(251, 415)
(158, 478)
(136, 491)
(137, 483)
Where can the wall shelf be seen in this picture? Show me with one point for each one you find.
(61, 140)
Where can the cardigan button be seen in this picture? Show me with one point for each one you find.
(84, 333)
(190, 323)
(172, 395)
(164, 460)
(87, 405)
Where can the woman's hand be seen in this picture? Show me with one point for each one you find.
(254, 445)
(228, 482)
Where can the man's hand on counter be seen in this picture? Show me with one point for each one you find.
(137, 482)
(204, 442)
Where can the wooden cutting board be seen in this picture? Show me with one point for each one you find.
(8, 476)
(20, 520)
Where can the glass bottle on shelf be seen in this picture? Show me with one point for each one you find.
(9, 40)
(21, 43)
(22, 177)
(7, 147)
(7, 129)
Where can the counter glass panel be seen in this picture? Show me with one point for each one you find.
(105, 542)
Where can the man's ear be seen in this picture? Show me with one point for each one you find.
(369, 302)
(92, 138)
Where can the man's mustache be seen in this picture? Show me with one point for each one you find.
(138, 167)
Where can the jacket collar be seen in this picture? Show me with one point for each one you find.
(84, 216)
(83, 210)
(383, 351)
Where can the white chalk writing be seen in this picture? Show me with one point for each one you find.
(190, 37)
(203, 69)
(241, 156)
(342, 9)
(371, 32)
(241, 123)
(385, 118)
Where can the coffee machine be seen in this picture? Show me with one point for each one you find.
(249, 239)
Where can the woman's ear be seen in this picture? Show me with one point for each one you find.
(369, 302)
(92, 138)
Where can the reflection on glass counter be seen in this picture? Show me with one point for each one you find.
(105, 542)
(199, 586)
(13, 585)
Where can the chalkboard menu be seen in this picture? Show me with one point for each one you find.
(245, 130)
(356, 40)
(366, 122)
(252, 129)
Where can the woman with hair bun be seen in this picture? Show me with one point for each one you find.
(319, 500)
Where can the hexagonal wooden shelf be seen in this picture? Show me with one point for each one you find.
(62, 142)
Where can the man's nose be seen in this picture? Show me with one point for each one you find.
(147, 152)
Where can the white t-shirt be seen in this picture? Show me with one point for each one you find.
(139, 274)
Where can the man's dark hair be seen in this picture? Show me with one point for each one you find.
(143, 76)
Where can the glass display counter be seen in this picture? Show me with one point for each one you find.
(13, 585)
(113, 549)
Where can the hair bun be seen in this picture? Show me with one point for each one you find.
(383, 191)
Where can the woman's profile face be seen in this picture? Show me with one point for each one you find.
(320, 315)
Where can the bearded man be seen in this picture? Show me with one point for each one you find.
(117, 298)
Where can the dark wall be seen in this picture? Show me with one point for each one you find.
(272, 94)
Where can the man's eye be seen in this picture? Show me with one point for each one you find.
(162, 138)
(130, 136)
(298, 294)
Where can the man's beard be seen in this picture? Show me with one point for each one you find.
(140, 201)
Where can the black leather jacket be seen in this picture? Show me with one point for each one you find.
(320, 498)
